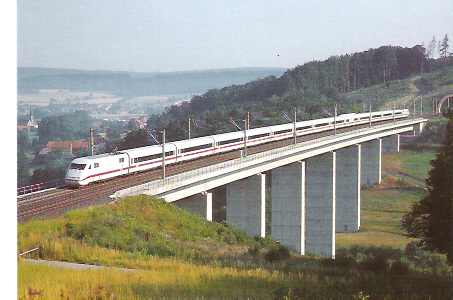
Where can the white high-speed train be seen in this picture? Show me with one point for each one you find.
(85, 170)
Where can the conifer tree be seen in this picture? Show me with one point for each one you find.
(443, 49)
(431, 218)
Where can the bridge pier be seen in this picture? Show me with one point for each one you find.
(347, 195)
(371, 172)
(391, 144)
(200, 204)
(245, 204)
(320, 186)
(418, 128)
(288, 206)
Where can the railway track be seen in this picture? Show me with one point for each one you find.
(55, 202)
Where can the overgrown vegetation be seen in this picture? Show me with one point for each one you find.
(176, 254)
(434, 131)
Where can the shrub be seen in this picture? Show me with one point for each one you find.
(433, 262)
(376, 259)
(399, 267)
(253, 251)
(277, 254)
(412, 251)
(344, 258)
(425, 261)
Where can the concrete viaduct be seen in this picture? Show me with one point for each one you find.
(315, 186)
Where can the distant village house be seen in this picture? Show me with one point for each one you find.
(68, 148)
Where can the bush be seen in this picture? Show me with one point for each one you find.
(277, 254)
(426, 261)
(412, 251)
(344, 258)
(399, 267)
(433, 263)
(398, 262)
(253, 251)
(376, 259)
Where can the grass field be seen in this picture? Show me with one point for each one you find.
(383, 206)
(176, 255)
(165, 279)
(381, 214)
(409, 162)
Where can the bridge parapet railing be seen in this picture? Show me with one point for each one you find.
(39, 186)
(158, 186)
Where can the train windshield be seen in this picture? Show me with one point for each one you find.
(74, 166)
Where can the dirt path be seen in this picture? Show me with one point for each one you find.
(69, 265)
(407, 177)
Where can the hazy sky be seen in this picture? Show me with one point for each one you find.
(151, 36)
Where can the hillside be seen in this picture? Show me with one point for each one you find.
(269, 99)
(178, 255)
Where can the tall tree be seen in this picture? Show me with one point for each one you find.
(443, 49)
(431, 218)
(431, 48)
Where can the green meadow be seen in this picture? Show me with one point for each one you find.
(413, 163)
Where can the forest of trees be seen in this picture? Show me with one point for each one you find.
(309, 88)
(64, 128)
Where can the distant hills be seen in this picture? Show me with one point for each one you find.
(134, 84)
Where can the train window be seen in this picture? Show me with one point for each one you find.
(147, 157)
(121, 159)
(283, 131)
(230, 141)
(257, 136)
(195, 148)
(75, 166)
(96, 165)
(303, 128)
(151, 157)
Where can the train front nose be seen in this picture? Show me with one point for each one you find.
(75, 174)
(72, 178)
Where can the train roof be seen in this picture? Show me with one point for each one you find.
(322, 121)
(282, 126)
(97, 156)
(228, 135)
(150, 149)
(195, 141)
